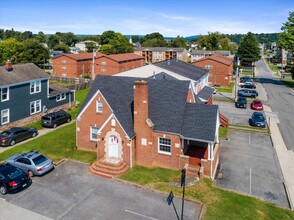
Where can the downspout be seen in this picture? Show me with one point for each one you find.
(211, 156)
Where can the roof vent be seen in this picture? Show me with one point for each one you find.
(8, 65)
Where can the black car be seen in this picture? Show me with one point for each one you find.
(52, 120)
(16, 134)
(247, 93)
(241, 102)
(12, 178)
(257, 119)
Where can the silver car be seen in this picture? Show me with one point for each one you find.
(32, 162)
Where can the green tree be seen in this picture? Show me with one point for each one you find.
(34, 52)
(41, 37)
(90, 46)
(107, 49)
(10, 49)
(286, 37)
(68, 38)
(154, 40)
(248, 50)
(62, 47)
(179, 42)
(53, 40)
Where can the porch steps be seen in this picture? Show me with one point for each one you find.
(193, 171)
(108, 170)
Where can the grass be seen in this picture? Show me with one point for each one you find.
(80, 97)
(228, 89)
(60, 83)
(247, 73)
(221, 204)
(59, 144)
(245, 128)
(223, 132)
(288, 83)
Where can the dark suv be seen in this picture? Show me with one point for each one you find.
(52, 120)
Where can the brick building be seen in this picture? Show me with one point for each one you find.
(157, 54)
(220, 69)
(149, 122)
(78, 65)
(198, 54)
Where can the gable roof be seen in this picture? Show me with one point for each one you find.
(205, 93)
(182, 68)
(21, 73)
(55, 89)
(125, 56)
(166, 102)
(162, 75)
(218, 58)
(208, 52)
(200, 121)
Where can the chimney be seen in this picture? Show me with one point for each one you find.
(8, 65)
(140, 105)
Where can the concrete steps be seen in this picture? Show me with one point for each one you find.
(107, 169)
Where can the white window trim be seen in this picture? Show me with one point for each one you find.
(35, 107)
(60, 97)
(91, 132)
(35, 84)
(8, 120)
(164, 152)
(3, 100)
(208, 66)
(97, 106)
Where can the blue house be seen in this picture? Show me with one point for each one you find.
(26, 94)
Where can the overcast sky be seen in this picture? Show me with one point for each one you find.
(168, 17)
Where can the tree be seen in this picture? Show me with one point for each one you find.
(34, 52)
(68, 38)
(107, 49)
(62, 47)
(286, 38)
(154, 40)
(53, 40)
(90, 46)
(10, 49)
(248, 50)
(41, 37)
(179, 42)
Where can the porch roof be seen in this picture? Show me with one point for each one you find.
(206, 93)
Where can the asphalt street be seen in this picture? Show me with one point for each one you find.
(281, 100)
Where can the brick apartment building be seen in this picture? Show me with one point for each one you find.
(78, 65)
(220, 69)
(130, 121)
(199, 54)
(157, 54)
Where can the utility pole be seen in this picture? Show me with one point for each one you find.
(236, 79)
(183, 183)
(93, 64)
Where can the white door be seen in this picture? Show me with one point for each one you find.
(113, 147)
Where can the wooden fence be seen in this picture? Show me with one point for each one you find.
(75, 83)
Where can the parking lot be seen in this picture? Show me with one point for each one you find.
(70, 192)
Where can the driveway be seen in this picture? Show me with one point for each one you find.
(70, 192)
(245, 152)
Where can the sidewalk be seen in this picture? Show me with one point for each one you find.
(285, 157)
(10, 211)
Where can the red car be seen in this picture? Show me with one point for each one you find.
(256, 105)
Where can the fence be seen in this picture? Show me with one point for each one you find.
(75, 83)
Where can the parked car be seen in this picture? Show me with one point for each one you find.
(31, 162)
(52, 120)
(245, 78)
(241, 102)
(256, 104)
(247, 93)
(16, 134)
(257, 119)
(12, 178)
(248, 85)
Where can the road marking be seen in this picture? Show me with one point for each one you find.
(135, 213)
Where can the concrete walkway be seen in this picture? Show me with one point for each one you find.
(10, 211)
(285, 156)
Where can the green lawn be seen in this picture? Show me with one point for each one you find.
(223, 132)
(57, 145)
(228, 89)
(80, 97)
(220, 204)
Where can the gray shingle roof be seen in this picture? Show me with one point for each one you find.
(205, 93)
(167, 103)
(200, 122)
(182, 68)
(162, 75)
(55, 89)
(21, 73)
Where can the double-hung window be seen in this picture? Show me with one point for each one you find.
(4, 94)
(35, 87)
(208, 66)
(164, 145)
(5, 116)
(99, 106)
(35, 107)
(94, 133)
(60, 97)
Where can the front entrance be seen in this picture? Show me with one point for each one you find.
(113, 150)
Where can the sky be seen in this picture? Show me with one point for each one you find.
(171, 18)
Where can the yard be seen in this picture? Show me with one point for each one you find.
(228, 89)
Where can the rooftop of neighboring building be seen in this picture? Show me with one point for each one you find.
(217, 57)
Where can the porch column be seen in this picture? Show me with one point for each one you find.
(209, 157)
(212, 153)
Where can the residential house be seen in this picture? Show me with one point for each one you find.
(198, 54)
(150, 122)
(26, 94)
(220, 69)
(79, 65)
(82, 46)
(157, 54)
